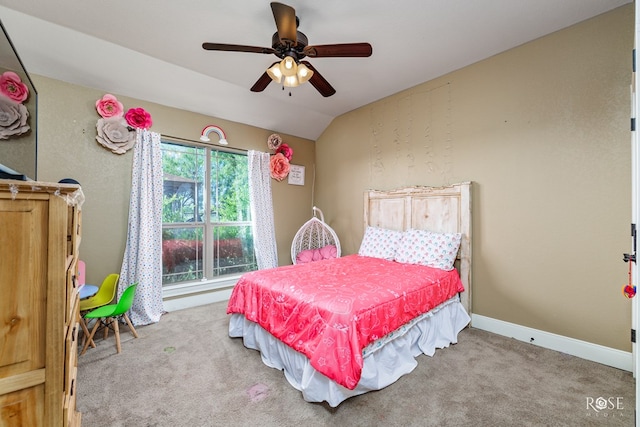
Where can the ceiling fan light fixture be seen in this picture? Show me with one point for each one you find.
(304, 73)
(275, 73)
(288, 66)
(291, 81)
(291, 46)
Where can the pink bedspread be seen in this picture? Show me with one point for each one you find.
(330, 310)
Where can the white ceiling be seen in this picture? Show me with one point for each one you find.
(152, 49)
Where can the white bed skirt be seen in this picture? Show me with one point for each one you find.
(385, 360)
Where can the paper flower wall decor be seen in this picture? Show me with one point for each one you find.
(117, 129)
(138, 118)
(13, 114)
(279, 167)
(274, 141)
(286, 151)
(279, 162)
(109, 106)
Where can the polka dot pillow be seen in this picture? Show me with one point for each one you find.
(380, 243)
(438, 250)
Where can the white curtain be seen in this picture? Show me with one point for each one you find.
(142, 263)
(264, 232)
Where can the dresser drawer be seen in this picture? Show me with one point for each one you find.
(71, 356)
(74, 229)
(75, 420)
(71, 306)
(69, 414)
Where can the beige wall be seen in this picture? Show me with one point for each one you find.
(67, 148)
(543, 132)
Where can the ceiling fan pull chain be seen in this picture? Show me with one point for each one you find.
(283, 89)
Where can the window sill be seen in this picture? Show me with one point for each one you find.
(207, 285)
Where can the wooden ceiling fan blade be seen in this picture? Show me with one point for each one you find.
(285, 17)
(262, 83)
(319, 82)
(351, 50)
(236, 48)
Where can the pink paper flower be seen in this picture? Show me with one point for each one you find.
(109, 106)
(279, 165)
(138, 118)
(286, 151)
(12, 87)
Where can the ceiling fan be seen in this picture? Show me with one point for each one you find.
(292, 46)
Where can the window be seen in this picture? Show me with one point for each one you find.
(206, 215)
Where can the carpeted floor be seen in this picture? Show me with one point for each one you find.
(186, 371)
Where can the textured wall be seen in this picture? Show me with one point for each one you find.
(67, 148)
(543, 132)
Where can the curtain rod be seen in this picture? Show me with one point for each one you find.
(222, 147)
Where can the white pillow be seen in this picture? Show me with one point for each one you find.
(380, 243)
(438, 250)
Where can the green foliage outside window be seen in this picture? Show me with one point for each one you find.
(186, 217)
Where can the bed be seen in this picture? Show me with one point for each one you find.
(345, 326)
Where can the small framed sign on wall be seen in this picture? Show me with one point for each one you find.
(296, 175)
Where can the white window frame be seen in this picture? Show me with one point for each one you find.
(207, 289)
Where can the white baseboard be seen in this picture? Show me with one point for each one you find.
(585, 350)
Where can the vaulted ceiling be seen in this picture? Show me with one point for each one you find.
(152, 49)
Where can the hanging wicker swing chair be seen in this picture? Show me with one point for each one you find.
(314, 241)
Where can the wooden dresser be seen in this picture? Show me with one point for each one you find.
(40, 227)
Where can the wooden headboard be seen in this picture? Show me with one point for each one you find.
(444, 209)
